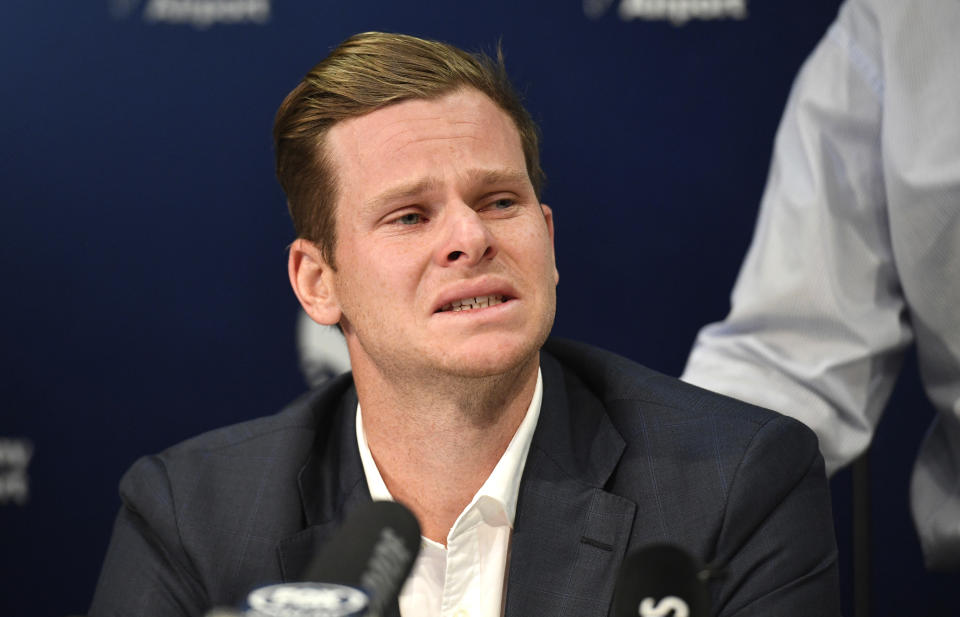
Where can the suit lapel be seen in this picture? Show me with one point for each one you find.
(569, 535)
(331, 483)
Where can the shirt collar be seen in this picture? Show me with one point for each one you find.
(497, 498)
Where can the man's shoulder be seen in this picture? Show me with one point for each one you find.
(243, 454)
(300, 419)
(229, 496)
(613, 377)
(639, 399)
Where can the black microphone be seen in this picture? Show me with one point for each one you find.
(374, 550)
(357, 573)
(661, 580)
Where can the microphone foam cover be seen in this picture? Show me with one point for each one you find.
(657, 578)
(374, 550)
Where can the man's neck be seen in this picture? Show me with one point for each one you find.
(436, 443)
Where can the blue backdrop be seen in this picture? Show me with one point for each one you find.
(143, 235)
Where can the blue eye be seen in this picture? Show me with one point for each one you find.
(411, 218)
(503, 203)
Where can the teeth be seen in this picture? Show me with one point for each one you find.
(466, 304)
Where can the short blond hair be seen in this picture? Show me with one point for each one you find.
(364, 73)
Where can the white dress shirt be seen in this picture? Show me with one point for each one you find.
(467, 577)
(857, 250)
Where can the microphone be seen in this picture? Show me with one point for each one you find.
(661, 580)
(357, 573)
(374, 550)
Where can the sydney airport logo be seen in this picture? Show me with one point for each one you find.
(677, 12)
(198, 13)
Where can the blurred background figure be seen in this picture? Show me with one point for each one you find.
(322, 351)
(856, 252)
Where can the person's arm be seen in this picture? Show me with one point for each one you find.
(147, 572)
(818, 319)
(775, 549)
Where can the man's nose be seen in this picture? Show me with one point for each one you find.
(467, 239)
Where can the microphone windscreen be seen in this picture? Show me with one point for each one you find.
(661, 580)
(374, 550)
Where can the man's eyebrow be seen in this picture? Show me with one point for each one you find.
(498, 176)
(405, 191)
(481, 177)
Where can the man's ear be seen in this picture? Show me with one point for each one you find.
(548, 217)
(312, 280)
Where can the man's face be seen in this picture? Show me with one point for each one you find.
(435, 209)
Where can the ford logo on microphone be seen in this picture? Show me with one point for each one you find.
(308, 600)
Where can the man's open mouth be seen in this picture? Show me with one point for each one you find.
(466, 304)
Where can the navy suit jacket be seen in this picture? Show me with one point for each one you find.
(622, 457)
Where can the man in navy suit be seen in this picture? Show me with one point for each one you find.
(413, 178)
